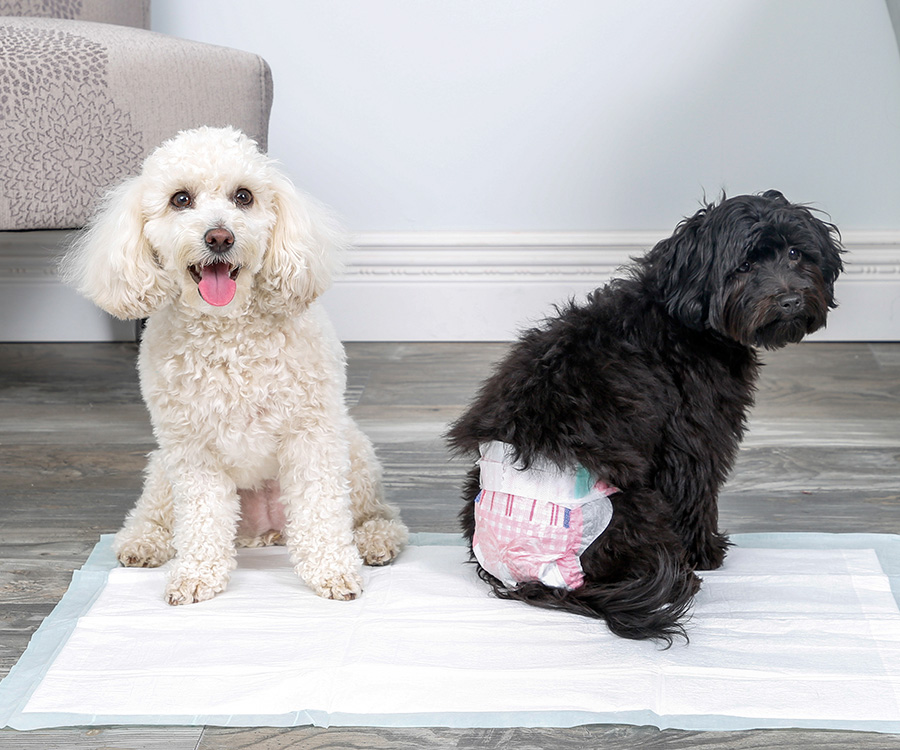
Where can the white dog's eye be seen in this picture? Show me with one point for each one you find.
(182, 199)
(243, 197)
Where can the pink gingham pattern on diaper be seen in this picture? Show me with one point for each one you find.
(520, 539)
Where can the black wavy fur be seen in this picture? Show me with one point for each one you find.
(648, 384)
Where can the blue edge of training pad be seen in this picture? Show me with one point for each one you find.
(88, 582)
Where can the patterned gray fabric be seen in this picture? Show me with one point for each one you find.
(62, 138)
(123, 12)
(82, 103)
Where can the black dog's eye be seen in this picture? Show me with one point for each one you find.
(243, 197)
(744, 267)
(182, 199)
(794, 254)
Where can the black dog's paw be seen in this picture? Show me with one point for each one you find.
(710, 552)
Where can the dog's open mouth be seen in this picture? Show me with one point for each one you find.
(217, 282)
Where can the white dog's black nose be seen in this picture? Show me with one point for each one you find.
(219, 240)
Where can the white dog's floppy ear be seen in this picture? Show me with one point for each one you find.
(111, 263)
(304, 249)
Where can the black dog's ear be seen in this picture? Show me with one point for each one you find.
(829, 245)
(678, 270)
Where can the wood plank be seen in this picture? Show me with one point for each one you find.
(34, 581)
(78, 509)
(595, 737)
(103, 738)
(66, 466)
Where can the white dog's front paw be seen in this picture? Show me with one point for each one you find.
(379, 540)
(344, 587)
(147, 551)
(341, 580)
(190, 587)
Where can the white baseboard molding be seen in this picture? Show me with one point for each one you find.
(461, 286)
(36, 306)
(445, 286)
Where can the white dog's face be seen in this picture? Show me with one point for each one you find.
(209, 215)
(209, 225)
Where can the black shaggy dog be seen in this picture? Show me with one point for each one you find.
(647, 385)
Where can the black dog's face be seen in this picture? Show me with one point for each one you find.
(757, 269)
(778, 294)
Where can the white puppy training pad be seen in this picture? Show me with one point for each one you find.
(796, 630)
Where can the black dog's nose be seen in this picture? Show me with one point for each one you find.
(789, 302)
(219, 240)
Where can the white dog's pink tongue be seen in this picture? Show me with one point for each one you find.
(216, 285)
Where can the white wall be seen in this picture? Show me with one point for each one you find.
(553, 115)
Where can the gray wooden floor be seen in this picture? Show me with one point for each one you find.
(823, 454)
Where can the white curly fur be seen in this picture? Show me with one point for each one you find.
(246, 399)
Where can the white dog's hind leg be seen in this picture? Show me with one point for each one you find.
(319, 528)
(377, 529)
(145, 540)
(207, 508)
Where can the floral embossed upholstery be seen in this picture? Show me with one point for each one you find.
(125, 12)
(82, 103)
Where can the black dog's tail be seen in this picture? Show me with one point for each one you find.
(636, 608)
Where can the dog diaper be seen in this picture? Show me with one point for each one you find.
(533, 524)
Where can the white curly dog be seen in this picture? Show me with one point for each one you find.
(240, 369)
